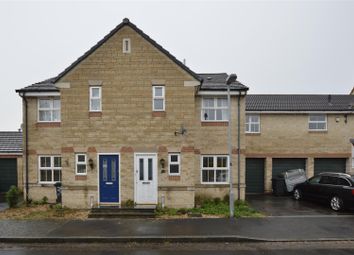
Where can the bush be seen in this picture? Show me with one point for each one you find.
(128, 203)
(44, 200)
(226, 199)
(12, 196)
(217, 200)
(201, 200)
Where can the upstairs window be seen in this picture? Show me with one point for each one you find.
(253, 124)
(95, 99)
(49, 169)
(81, 164)
(174, 164)
(158, 98)
(214, 109)
(126, 45)
(317, 122)
(49, 110)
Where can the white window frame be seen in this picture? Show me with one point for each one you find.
(318, 114)
(52, 168)
(126, 41)
(158, 97)
(174, 163)
(249, 123)
(215, 107)
(215, 168)
(77, 163)
(51, 109)
(99, 97)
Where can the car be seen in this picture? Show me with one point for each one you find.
(336, 189)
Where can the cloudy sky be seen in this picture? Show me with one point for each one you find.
(273, 46)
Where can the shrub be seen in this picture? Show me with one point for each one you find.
(201, 200)
(226, 199)
(12, 196)
(182, 211)
(44, 200)
(128, 203)
(217, 200)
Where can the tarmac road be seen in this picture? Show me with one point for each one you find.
(281, 248)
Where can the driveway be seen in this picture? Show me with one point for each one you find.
(285, 206)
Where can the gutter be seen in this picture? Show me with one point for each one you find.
(23, 95)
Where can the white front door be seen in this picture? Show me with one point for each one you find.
(146, 178)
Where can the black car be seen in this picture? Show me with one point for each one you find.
(337, 189)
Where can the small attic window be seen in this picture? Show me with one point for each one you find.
(126, 45)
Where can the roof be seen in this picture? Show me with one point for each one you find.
(300, 102)
(10, 142)
(48, 85)
(217, 81)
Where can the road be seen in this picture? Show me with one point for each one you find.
(303, 248)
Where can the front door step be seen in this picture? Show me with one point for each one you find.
(116, 212)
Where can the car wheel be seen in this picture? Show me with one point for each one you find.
(336, 203)
(297, 195)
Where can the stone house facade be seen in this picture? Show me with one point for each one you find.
(128, 121)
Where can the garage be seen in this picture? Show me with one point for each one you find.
(10, 155)
(8, 173)
(283, 164)
(330, 165)
(254, 175)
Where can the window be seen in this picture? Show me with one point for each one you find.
(215, 169)
(81, 164)
(49, 169)
(126, 45)
(214, 109)
(317, 122)
(95, 99)
(158, 101)
(174, 164)
(49, 110)
(315, 180)
(253, 124)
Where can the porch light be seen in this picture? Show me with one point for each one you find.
(162, 163)
(91, 163)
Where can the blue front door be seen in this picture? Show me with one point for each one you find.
(109, 178)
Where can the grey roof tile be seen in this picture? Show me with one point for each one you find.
(217, 81)
(10, 142)
(300, 102)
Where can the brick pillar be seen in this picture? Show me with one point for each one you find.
(268, 175)
(310, 167)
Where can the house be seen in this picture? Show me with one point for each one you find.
(128, 121)
(10, 160)
(311, 132)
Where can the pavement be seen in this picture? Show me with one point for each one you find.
(287, 227)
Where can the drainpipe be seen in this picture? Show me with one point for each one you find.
(238, 146)
(26, 144)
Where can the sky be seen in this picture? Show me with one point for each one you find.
(278, 47)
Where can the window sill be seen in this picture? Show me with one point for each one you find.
(318, 131)
(158, 114)
(47, 184)
(215, 123)
(95, 114)
(253, 134)
(48, 124)
(215, 184)
(174, 177)
(80, 177)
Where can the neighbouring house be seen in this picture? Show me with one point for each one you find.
(128, 121)
(10, 160)
(311, 132)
